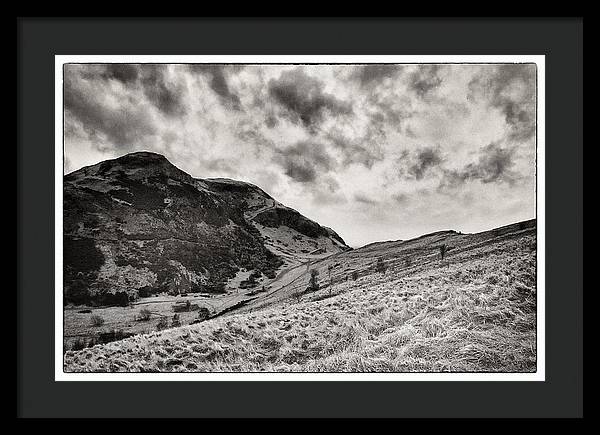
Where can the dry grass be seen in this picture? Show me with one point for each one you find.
(141, 317)
(474, 314)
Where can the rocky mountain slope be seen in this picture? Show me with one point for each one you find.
(137, 225)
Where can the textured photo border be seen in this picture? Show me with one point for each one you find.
(540, 194)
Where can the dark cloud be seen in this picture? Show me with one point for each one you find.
(250, 133)
(362, 150)
(415, 165)
(372, 75)
(271, 121)
(511, 88)
(217, 81)
(122, 126)
(493, 166)
(388, 111)
(304, 98)
(165, 94)
(425, 159)
(123, 72)
(364, 199)
(304, 161)
(425, 79)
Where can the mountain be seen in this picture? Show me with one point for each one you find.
(137, 225)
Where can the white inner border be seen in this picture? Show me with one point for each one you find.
(60, 375)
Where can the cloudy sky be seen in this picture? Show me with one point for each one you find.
(376, 152)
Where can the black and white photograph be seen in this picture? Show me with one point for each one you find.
(284, 217)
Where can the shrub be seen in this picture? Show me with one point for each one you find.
(119, 299)
(203, 313)
(175, 322)
(329, 269)
(270, 273)
(113, 335)
(96, 320)
(78, 344)
(162, 324)
(81, 255)
(313, 283)
(354, 275)
(381, 266)
(144, 315)
(298, 295)
(77, 292)
(145, 292)
(182, 307)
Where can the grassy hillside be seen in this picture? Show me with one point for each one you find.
(474, 311)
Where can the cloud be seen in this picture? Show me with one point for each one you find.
(372, 75)
(425, 79)
(373, 151)
(67, 165)
(417, 164)
(162, 90)
(326, 192)
(123, 72)
(510, 88)
(494, 165)
(364, 199)
(362, 150)
(89, 104)
(426, 159)
(304, 98)
(217, 80)
(388, 109)
(271, 121)
(304, 161)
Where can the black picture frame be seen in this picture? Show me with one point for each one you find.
(560, 40)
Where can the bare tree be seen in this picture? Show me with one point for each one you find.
(313, 283)
(443, 250)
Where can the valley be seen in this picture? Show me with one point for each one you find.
(473, 311)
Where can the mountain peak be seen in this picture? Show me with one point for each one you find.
(136, 165)
(143, 155)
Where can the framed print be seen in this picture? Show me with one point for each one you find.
(315, 222)
(241, 286)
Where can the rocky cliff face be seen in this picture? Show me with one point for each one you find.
(137, 225)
